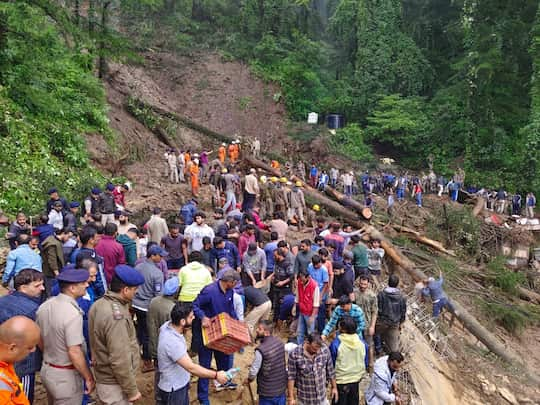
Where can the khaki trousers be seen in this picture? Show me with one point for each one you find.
(64, 387)
(261, 312)
(111, 395)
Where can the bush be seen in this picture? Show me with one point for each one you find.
(504, 278)
(349, 141)
(49, 98)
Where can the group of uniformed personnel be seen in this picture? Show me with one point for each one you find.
(113, 343)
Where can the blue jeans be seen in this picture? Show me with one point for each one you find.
(176, 397)
(142, 333)
(455, 195)
(442, 303)
(279, 400)
(419, 199)
(321, 317)
(223, 362)
(304, 328)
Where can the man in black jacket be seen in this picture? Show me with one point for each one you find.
(269, 366)
(392, 310)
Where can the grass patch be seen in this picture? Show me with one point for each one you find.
(504, 278)
(513, 318)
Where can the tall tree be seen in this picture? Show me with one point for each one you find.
(387, 60)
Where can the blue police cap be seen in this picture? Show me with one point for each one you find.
(157, 250)
(128, 275)
(71, 275)
(52, 190)
(74, 204)
(171, 286)
(110, 186)
(96, 190)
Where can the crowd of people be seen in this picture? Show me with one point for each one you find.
(98, 294)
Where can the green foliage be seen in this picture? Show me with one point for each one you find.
(511, 319)
(504, 278)
(349, 141)
(244, 102)
(48, 99)
(402, 122)
(458, 227)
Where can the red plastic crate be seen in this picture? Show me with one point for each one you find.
(226, 334)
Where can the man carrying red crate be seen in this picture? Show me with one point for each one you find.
(214, 299)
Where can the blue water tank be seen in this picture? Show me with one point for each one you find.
(335, 121)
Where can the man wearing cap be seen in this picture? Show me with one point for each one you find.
(222, 152)
(214, 299)
(298, 203)
(159, 312)
(70, 217)
(279, 196)
(113, 339)
(56, 215)
(61, 322)
(251, 190)
(53, 197)
(152, 286)
(232, 151)
(107, 205)
(91, 204)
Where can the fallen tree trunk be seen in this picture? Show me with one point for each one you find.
(469, 322)
(344, 200)
(417, 236)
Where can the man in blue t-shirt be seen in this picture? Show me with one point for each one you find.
(319, 273)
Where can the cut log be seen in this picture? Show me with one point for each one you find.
(479, 206)
(417, 236)
(528, 295)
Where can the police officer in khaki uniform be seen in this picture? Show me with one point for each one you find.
(113, 339)
(64, 360)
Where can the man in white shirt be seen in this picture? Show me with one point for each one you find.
(195, 232)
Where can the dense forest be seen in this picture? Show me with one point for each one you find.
(455, 81)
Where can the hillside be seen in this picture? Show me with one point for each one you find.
(464, 355)
(457, 81)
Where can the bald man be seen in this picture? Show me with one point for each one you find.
(18, 338)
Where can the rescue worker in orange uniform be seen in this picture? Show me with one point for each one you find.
(222, 152)
(18, 338)
(194, 175)
(232, 151)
